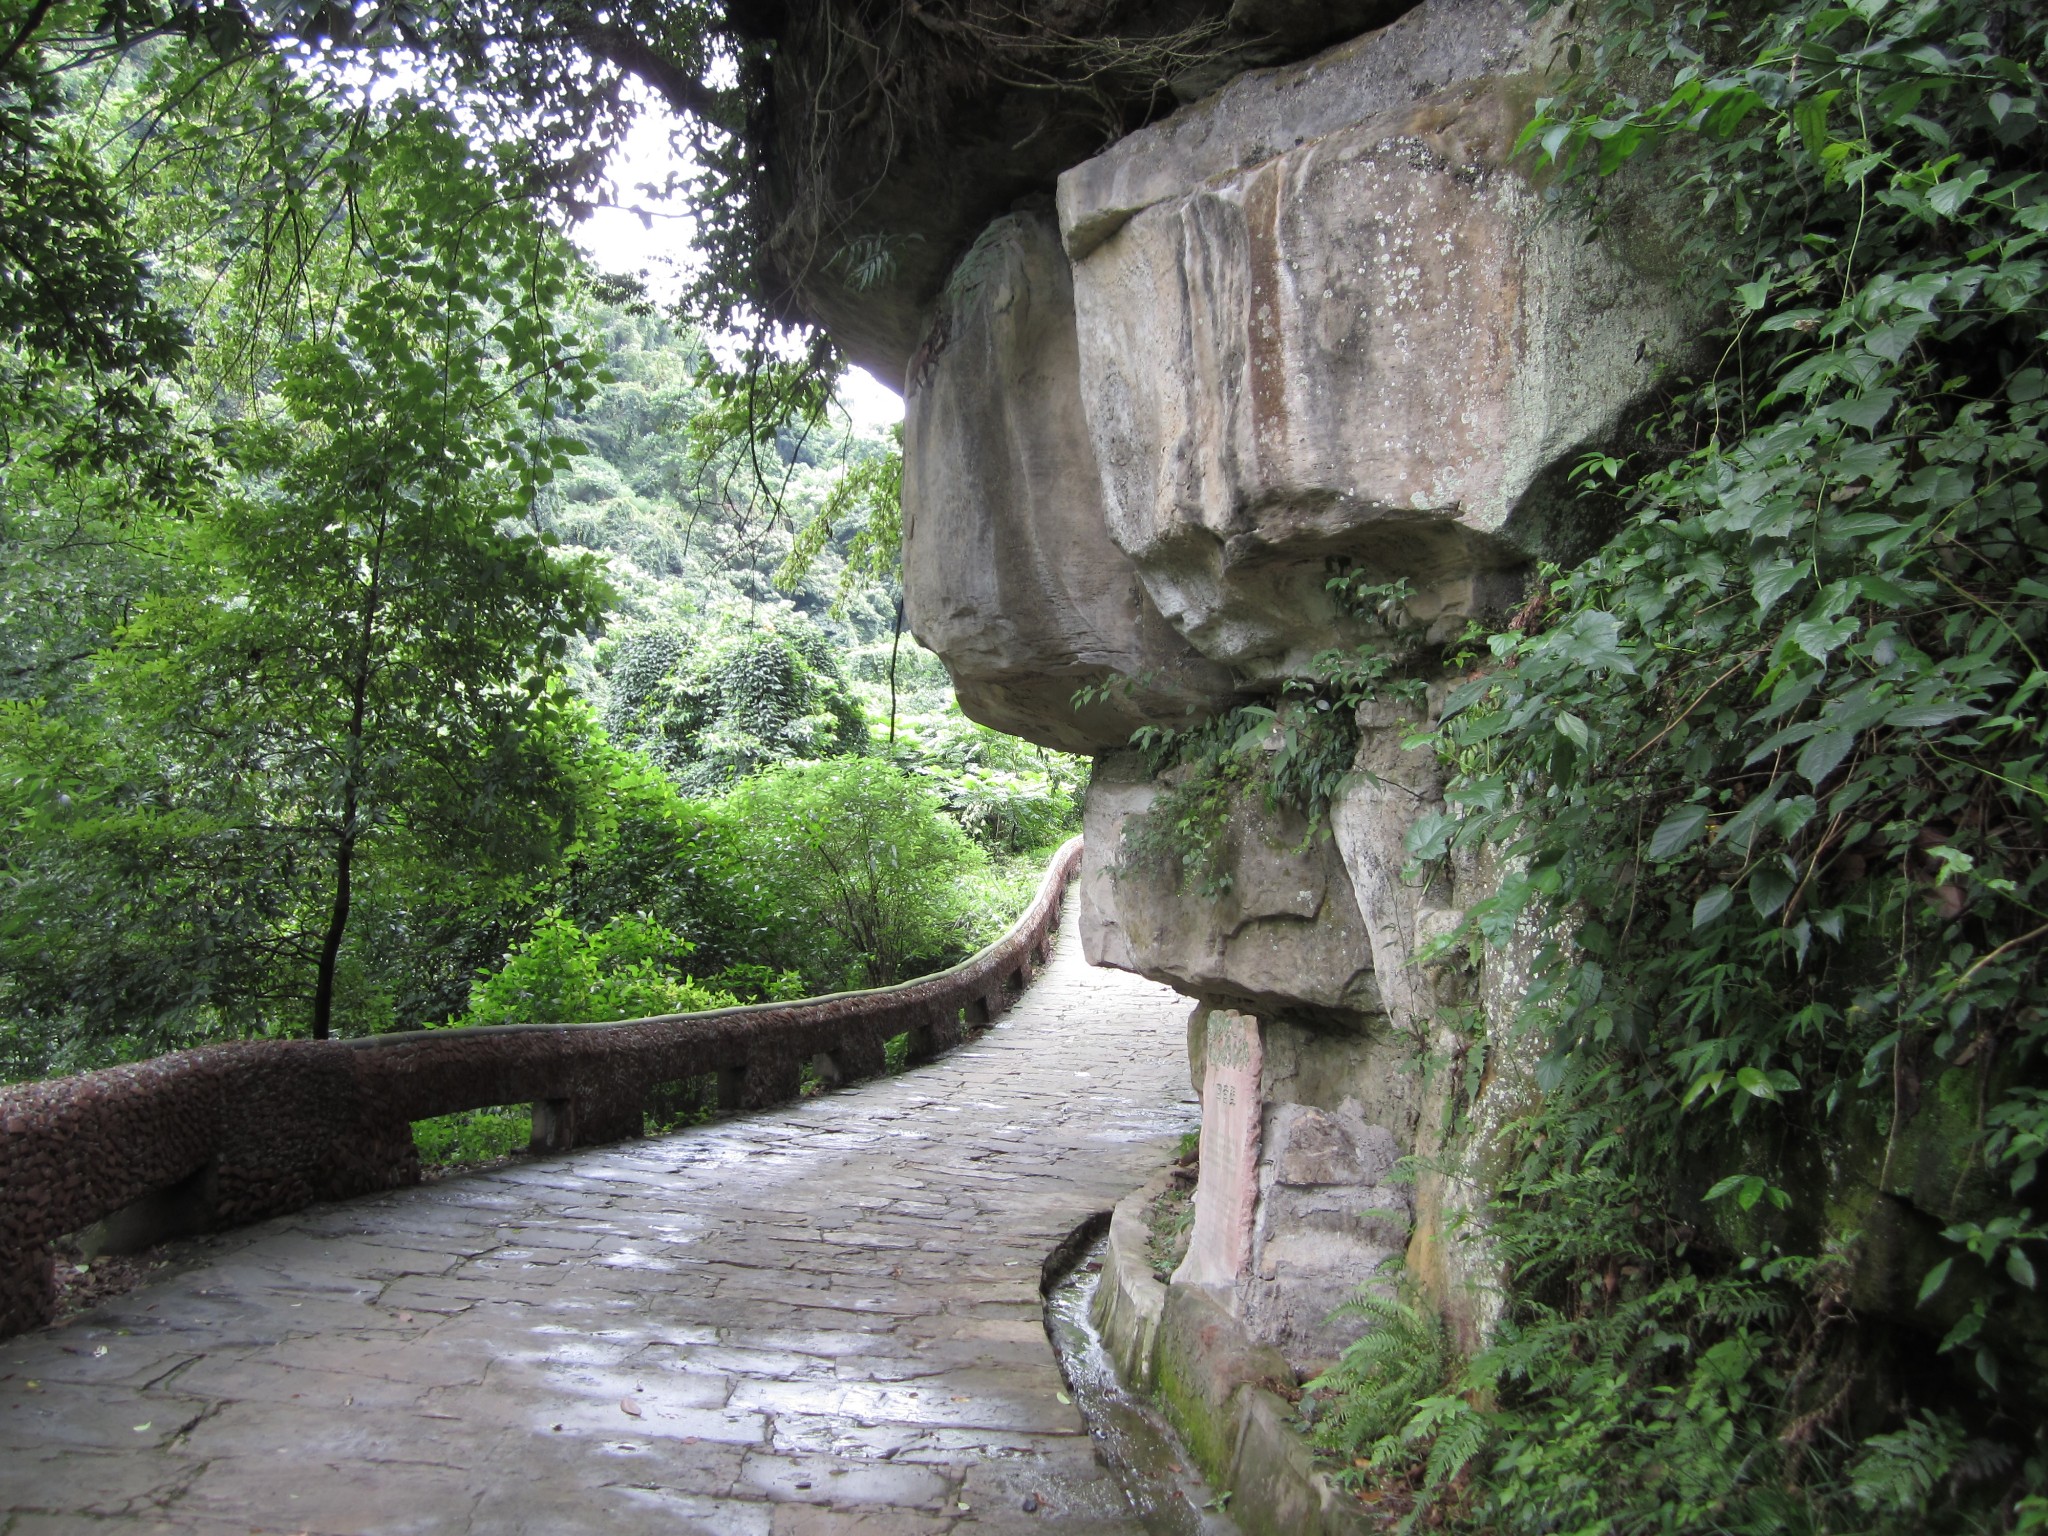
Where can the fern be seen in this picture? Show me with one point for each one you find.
(1383, 1379)
(1899, 1473)
(1457, 1432)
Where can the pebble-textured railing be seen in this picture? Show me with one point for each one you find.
(203, 1139)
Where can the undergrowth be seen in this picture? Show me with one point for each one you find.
(473, 1136)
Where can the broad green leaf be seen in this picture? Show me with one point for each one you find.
(1770, 887)
(1754, 1082)
(1711, 905)
(1821, 638)
(1773, 579)
(1868, 409)
(1936, 1278)
(1823, 754)
(1677, 832)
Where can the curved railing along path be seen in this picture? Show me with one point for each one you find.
(200, 1140)
(805, 1321)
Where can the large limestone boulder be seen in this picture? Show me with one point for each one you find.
(1285, 938)
(1009, 573)
(1323, 322)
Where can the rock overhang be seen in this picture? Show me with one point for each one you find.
(1318, 322)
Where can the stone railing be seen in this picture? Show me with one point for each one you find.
(208, 1138)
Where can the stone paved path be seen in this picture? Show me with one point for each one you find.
(817, 1321)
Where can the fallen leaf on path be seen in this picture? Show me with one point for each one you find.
(141, 1427)
(1063, 1397)
(628, 1407)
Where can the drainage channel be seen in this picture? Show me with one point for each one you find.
(1131, 1436)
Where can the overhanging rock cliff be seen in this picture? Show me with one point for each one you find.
(1318, 322)
(1321, 321)
(1220, 441)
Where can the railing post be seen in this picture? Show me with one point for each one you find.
(554, 1125)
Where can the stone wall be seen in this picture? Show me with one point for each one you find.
(208, 1138)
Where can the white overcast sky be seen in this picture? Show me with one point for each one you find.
(642, 234)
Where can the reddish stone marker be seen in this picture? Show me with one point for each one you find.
(1227, 1192)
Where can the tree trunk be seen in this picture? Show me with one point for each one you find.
(351, 800)
(337, 923)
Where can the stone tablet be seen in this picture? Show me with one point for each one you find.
(1227, 1192)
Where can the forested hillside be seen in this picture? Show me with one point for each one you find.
(401, 624)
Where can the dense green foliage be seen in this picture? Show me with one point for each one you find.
(390, 607)
(865, 866)
(712, 707)
(630, 968)
(1765, 778)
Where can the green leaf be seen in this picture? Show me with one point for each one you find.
(1592, 640)
(1821, 638)
(1948, 198)
(1773, 579)
(1823, 754)
(1575, 731)
(2020, 1267)
(1770, 887)
(1936, 1278)
(1868, 409)
(1712, 905)
(1810, 117)
(1756, 1083)
(1677, 832)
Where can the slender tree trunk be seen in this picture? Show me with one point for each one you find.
(351, 798)
(894, 646)
(337, 921)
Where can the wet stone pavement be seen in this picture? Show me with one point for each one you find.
(816, 1321)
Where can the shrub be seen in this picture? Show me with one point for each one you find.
(862, 871)
(628, 969)
(473, 1135)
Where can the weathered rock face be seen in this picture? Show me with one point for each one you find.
(1009, 572)
(1286, 937)
(1328, 1219)
(1314, 322)
(1322, 322)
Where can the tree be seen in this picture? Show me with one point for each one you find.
(374, 652)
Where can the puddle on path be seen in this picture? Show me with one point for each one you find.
(1131, 1435)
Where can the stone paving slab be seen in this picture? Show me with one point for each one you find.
(816, 1321)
